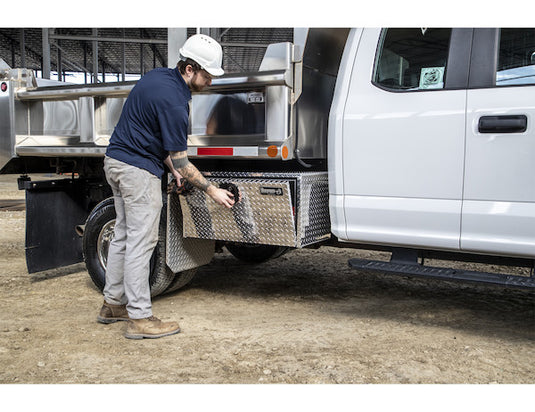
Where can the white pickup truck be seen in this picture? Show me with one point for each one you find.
(415, 141)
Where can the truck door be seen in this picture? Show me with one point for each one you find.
(404, 136)
(498, 213)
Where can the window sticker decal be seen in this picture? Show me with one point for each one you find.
(432, 78)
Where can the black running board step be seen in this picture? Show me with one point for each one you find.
(408, 269)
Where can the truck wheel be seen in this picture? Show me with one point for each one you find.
(98, 234)
(255, 253)
(181, 279)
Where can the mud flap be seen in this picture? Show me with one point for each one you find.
(53, 209)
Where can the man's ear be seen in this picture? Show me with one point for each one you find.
(188, 73)
(189, 70)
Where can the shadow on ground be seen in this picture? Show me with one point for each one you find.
(309, 277)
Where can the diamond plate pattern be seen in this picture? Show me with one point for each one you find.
(184, 253)
(265, 215)
(313, 223)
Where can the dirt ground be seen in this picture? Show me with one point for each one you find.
(303, 318)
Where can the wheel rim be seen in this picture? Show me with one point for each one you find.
(103, 242)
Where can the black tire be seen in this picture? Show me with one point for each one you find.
(181, 279)
(97, 234)
(255, 253)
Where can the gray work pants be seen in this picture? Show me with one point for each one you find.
(138, 202)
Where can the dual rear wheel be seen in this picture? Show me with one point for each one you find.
(98, 234)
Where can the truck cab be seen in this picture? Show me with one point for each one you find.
(431, 140)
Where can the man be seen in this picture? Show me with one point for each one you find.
(151, 132)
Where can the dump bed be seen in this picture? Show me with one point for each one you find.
(278, 113)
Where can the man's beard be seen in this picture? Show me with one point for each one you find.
(194, 87)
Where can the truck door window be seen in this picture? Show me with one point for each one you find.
(412, 59)
(516, 57)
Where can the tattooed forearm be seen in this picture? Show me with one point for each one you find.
(179, 162)
(182, 164)
(192, 175)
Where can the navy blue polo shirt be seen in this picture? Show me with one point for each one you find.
(154, 121)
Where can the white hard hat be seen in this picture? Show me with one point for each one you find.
(205, 51)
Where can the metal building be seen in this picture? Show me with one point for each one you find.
(117, 54)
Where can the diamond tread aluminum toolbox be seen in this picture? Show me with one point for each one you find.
(285, 209)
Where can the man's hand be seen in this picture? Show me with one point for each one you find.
(221, 196)
(172, 187)
(176, 175)
(179, 187)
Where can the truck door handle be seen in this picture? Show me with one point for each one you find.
(503, 124)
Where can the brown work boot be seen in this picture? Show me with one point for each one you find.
(112, 313)
(150, 328)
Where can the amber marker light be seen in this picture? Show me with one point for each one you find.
(272, 151)
(285, 152)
